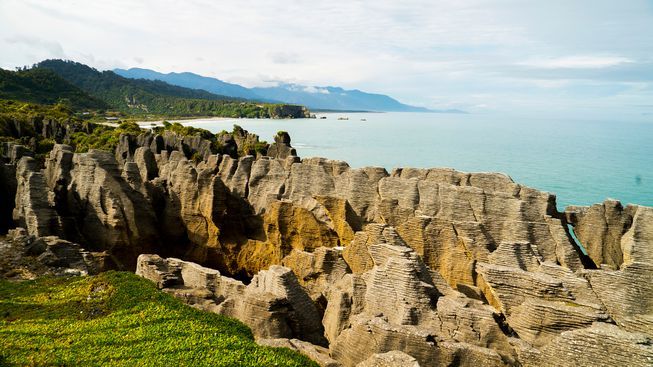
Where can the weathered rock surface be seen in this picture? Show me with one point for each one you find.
(394, 358)
(274, 305)
(599, 345)
(397, 304)
(281, 147)
(33, 209)
(450, 268)
(600, 227)
(108, 213)
(23, 256)
(317, 271)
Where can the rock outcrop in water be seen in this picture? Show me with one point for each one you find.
(356, 266)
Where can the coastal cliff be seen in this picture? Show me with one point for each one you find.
(349, 266)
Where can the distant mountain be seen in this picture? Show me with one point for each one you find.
(158, 97)
(43, 86)
(334, 98)
(190, 80)
(325, 98)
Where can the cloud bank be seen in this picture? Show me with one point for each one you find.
(587, 58)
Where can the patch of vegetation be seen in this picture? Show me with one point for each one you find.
(25, 110)
(141, 96)
(103, 137)
(22, 123)
(119, 319)
(44, 87)
(254, 148)
(184, 130)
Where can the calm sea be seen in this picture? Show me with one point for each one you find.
(582, 162)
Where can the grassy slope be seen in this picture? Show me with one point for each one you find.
(45, 87)
(117, 318)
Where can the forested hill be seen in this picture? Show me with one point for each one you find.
(43, 86)
(137, 96)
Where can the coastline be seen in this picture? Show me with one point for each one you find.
(153, 123)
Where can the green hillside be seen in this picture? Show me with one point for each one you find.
(43, 86)
(119, 319)
(139, 96)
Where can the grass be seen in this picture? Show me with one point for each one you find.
(119, 319)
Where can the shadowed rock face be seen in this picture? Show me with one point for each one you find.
(450, 268)
(545, 316)
(23, 256)
(600, 228)
(281, 147)
(7, 194)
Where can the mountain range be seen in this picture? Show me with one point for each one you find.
(315, 98)
(84, 88)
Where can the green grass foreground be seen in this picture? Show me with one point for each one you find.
(118, 318)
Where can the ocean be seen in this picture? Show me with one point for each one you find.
(581, 161)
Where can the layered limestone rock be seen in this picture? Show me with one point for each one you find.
(33, 209)
(535, 307)
(60, 130)
(360, 320)
(11, 152)
(189, 146)
(287, 227)
(274, 305)
(444, 215)
(396, 305)
(191, 201)
(84, 197)
(600, 227)
(451, 268)
(357, 252)
(599, 345)
(542, 303)
(452, 227)
(24, 256)
(394, 358)
(626, 292)
(282, 283)
(317, 271)
(108, 213)
(281, 147)
(243, 215)
(7, 196)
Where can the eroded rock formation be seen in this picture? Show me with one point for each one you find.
(24, 256)
(349, 265)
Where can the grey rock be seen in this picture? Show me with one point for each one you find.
(393, 358)
(281, 147)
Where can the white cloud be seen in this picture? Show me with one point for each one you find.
(577, 62)
(312, 89)
(469, 53)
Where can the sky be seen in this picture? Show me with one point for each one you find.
(578, 58)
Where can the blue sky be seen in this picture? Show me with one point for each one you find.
(589, 59)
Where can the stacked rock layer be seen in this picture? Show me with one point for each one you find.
(357, 266)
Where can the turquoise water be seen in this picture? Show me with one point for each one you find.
(582, 162)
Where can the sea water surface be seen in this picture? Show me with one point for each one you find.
(581, 161)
